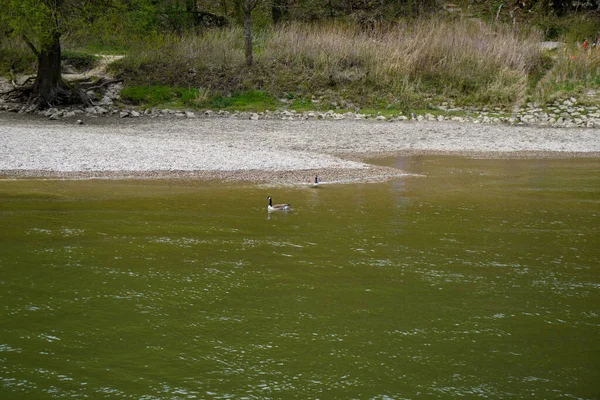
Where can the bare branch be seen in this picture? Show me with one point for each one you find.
(250, 5)
(31, 46)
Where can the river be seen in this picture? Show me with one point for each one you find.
(467, 277)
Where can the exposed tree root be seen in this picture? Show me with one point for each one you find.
(62, 94)
(107, 82)
(89, 84)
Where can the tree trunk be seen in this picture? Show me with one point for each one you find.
(48, 86)
(224, 8)
(248, 33)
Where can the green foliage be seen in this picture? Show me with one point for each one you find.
(572, 73)
(16, 58)
(571, 29)
(579, 27)
(401, 66)
(33, 19)
(349, 57)
(220, 102)
(540, 70)
(255, 100)
(304, 103)
(195, 98)
(79, 60)
(150, 95)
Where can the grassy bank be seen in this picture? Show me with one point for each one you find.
(573, 73)
(401, 67)
(405, 67)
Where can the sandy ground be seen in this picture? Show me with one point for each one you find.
(265, 150)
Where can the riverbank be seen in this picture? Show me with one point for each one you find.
(273, 151)
(568, 113)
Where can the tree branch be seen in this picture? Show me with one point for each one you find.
(31, 46)
(250, 5)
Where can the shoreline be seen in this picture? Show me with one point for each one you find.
(262, 151)
(374, 173)
(292, 177)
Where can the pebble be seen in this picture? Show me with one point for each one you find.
(560, 115)
(567, 113)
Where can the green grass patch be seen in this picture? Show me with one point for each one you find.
(253, 100)
(150, 95)
(162, 96)
(219, 102)
(197, 98)
(109, 48)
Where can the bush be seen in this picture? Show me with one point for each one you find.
(16, 58)
(571, 74)
(80, 61)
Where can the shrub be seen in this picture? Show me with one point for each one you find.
(571, 74)
(17, 58)
(80, 61)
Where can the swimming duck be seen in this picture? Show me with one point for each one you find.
(276, 207)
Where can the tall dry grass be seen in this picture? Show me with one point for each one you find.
(408, 64)
(184, 61)
(463, 59)
(572, 72)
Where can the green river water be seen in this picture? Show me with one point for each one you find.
(473, 278)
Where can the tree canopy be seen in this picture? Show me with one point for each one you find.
(41, 24)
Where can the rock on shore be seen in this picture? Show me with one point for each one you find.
(567, 113)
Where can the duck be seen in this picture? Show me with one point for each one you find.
(276, 207)
(316, 184)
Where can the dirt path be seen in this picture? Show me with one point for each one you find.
(98, 71)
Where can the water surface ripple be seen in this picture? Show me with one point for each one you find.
(475, 278)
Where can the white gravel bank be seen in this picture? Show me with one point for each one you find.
(225, 147)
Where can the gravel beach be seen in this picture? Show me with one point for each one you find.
(258, 150)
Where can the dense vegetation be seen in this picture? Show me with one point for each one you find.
(385, 54)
